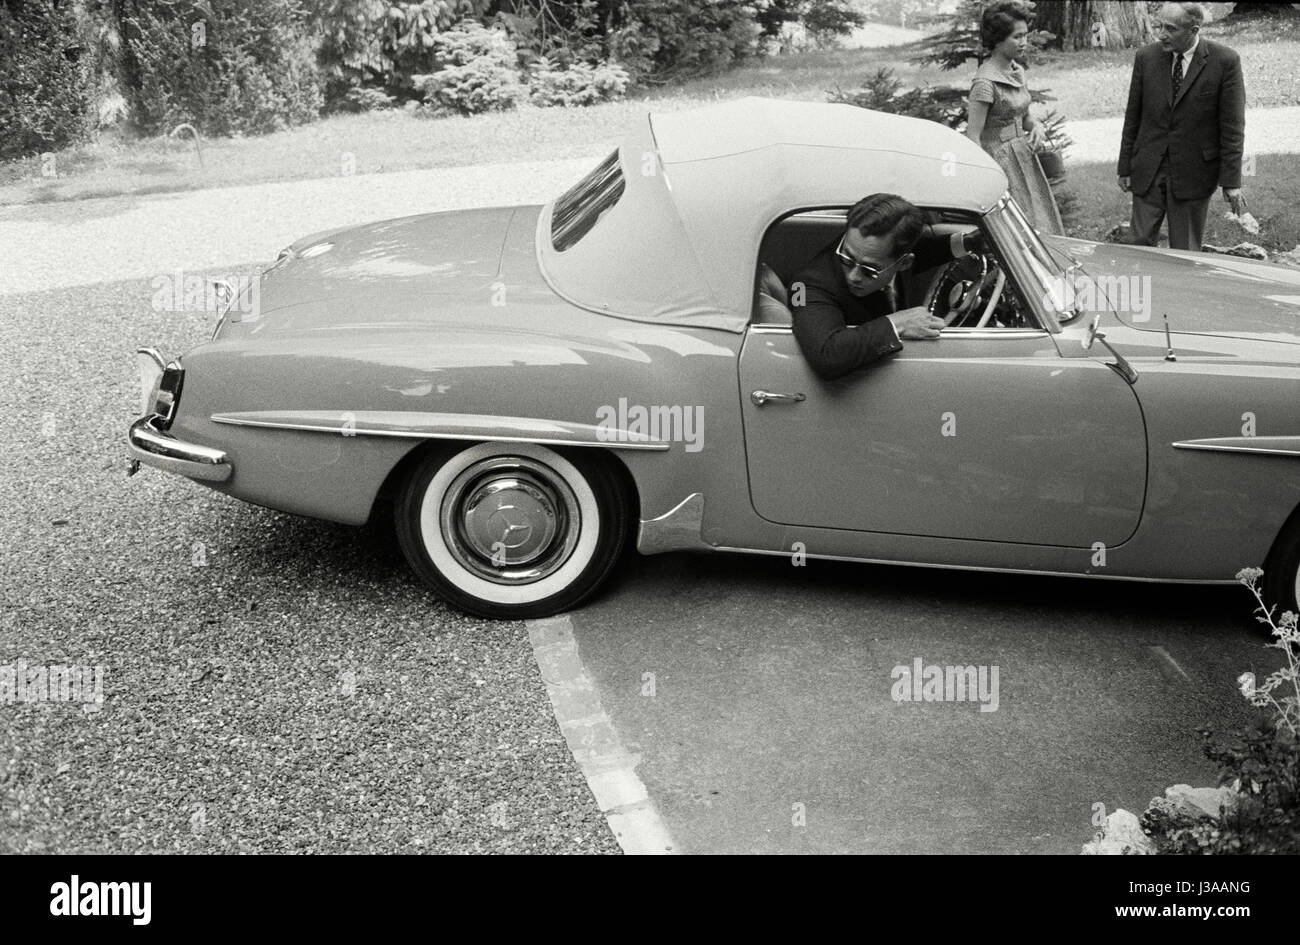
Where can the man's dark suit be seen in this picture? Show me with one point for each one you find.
(1177, 152)
(838, 331)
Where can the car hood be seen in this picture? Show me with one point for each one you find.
(1201, 293)
(390, 272)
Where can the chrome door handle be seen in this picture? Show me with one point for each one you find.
(761, 397)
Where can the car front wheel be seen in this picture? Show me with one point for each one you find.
(1282, 571)
(511, 531)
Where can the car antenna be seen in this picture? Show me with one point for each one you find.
(1170, 356)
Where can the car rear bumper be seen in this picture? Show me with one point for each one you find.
(152, 447)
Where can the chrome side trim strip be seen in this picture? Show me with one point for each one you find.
(999, 334)
(968, 567)
(448, 426)
(1263, 445)
(678, 529)
(152, 447)
(980, 334)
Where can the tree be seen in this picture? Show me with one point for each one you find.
(224, 66)
(1254, 11)
(959, 42)
(825, 19)
(381, 44)
(1127, 24)
(46, 85)
(828, 19)
(1064, 24)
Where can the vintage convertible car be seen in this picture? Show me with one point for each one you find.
(527, 388)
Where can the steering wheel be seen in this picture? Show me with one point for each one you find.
(959, 289)
(955, 290)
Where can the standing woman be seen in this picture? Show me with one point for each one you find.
(999, 119)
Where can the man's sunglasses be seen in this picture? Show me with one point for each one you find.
(871, 272)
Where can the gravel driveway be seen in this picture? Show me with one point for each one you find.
(270, 683)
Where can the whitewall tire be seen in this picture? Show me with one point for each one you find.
(512, 530)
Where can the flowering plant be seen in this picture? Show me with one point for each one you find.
(1286, 681)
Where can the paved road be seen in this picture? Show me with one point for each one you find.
(772, 688)
(108, 239)
(1268, 131)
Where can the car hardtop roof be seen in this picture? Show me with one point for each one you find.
(701, 187)
(725, 129)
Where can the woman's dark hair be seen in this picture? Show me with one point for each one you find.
(998, 21)
(882, 214)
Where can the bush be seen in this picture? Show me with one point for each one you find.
(480, 72)
(349, 54)
(678, 38)
(382, 44)
(1262, 764)
(367, 99)
(46, 85)
(227, 66)
(651, 39)
(882, 92)
(399, 45)
(579, 84)
(562, 34)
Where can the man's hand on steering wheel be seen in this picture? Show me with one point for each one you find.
(916, 324)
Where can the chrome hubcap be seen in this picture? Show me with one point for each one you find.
(510, 520)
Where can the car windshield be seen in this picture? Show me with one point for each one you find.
(1028, 253)
(580, 207)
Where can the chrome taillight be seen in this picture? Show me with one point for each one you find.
(160, 386)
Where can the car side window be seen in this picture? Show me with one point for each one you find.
(580, 207)
(975, 290)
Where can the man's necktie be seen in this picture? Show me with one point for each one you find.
(1177, 74)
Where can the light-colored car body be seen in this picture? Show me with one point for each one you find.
(1152, 442)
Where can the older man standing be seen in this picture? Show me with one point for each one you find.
(1183, 130)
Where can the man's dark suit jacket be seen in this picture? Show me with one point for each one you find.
(1203, 132)
(838, 331)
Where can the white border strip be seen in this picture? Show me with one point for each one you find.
(609, 769)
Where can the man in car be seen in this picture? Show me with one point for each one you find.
(845, 300)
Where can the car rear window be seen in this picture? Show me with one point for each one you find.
(580, 207)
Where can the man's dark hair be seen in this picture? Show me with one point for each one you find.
(888, 214)
(998, 21)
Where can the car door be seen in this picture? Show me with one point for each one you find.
(984, 434)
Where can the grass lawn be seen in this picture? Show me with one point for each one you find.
(1085, 84)
(1272, 195)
